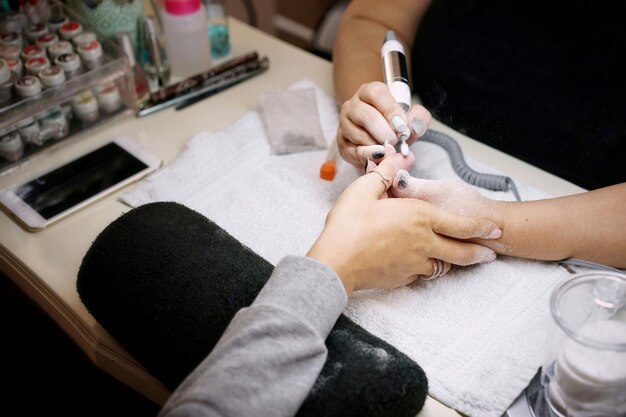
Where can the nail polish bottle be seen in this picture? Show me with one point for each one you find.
(59, 48)
(91, 54)
(35, 65)
(32, 51)
(85, 106)
(47, 40)
(11, 147)
(11, 38)
(28, 86)
(52, 76)
(84, 38)
(69, 30)
(218, 28)
(10, 51)
(16, 66)
(109, 97)
(70, 63)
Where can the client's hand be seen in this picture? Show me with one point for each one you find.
(453, 196)
(374, 242)
(371, 117)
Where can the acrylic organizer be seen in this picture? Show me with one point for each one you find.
(42, 109)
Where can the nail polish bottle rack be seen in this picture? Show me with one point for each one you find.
(26, 115)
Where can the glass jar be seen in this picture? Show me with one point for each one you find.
(584, 369)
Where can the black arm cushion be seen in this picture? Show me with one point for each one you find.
(165, 282)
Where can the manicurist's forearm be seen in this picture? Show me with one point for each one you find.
(356, 54)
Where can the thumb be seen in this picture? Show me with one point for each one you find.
(379, 178)
(405, 186)
(449, 194)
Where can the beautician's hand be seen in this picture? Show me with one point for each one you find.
(453, 196)
(372, 116)
(374, 242)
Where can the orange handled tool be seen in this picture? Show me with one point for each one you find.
(329, 167)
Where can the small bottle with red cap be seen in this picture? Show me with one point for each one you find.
(33, 51)
(11, 38)
(10, 51)
(91, 54)
(47, 39)
(60, 48)
(187, 43)
(69, 30)
(35, 65)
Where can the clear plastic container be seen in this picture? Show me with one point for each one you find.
(45, 116)
(187, 43)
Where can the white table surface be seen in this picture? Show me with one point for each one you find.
(45, 264)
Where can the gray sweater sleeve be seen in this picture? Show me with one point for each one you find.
(270, 355)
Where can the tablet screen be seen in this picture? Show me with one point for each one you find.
(71, 184)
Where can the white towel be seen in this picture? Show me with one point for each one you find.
(478, 332)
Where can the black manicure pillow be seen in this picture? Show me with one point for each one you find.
(165, 282)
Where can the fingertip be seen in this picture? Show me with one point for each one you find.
(418, 127)
(485, 255)
(495, 233)
(363, 153)
(400, 182)
(370, 166)
(399, 124)
(419, 120)
(488, 230)
(378, 152)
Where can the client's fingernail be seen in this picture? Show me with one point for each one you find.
(417, 126)
(365, 167)
(494, 234)
(402, 182)
(378, 154)
(489, 256)
(398, 123)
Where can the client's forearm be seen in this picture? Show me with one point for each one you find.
(589, 226)
(270, 355)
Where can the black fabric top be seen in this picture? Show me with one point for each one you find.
(544, 81)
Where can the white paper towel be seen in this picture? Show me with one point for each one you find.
(478, 332)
